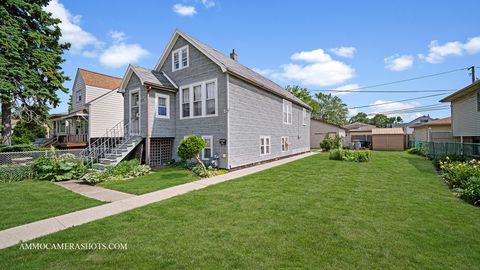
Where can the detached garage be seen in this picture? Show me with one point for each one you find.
(388, 139)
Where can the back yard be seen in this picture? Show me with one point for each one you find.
(391, 213)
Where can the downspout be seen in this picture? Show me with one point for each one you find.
(147, 136)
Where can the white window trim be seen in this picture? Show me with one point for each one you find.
(180, 64)
(211, 147)
(289, 111)
(304, 116)
(78, 94)
(286, 140)
(204, 96)
(269, 144)
(167, 103)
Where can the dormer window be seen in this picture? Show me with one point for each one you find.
(180, 58)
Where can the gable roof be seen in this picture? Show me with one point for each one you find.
(438, 122)
(388, 131)
(462, 92)
(231, 66)
(359, 126)
(99, 80)
(148, 77)
(321, 121)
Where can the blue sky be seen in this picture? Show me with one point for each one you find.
(291, 42)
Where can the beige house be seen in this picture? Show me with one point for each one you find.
(439, 130)
(465, 109)
(96, 107)
(319, 129)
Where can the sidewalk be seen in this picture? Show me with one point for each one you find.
(12, 236)
(95, 192)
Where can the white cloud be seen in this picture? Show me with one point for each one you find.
(347, 52)
(438, 52)
(208, 3)
(352, 112)
(348, 87)
(314, 56)
(121, 53)
(318, 70)
(398, 62)
(184, 10)
(72, 32)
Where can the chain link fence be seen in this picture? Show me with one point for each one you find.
(439, 149)
(14, 166)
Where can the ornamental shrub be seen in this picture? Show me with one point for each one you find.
(329, 143)
(190, 147)
(14, 173)
(417, 151)
(350, 155)
(58, 168)
(463, 178)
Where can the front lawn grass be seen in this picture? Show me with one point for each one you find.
(163, 178)
(390, 213)
(27, 201)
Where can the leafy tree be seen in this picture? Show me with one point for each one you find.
(360, 117)
(381, 120)
(190, 147)
(26, 133)
(331, 109)
(30, 58)
(304, 95)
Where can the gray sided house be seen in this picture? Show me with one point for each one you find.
(194, 89)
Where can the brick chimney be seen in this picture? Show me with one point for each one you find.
(233, 55)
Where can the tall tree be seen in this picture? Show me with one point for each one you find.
(360, 117)
(331, 109)
(30, 58)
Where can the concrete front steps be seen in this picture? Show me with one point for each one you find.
(119, 153)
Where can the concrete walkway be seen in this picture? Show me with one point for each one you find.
(12, 236)
(95, 192)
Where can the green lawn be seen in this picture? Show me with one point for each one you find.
(28, 201)
(391, 213)
(163, 178)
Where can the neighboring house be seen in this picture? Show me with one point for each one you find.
(244, 117)
(96, 107)
(392, 139)
(409, 126)
(360, 132)
(319, 129)
(465, 111)
(438, 130)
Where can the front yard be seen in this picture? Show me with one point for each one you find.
(391, 213)
(27, 201)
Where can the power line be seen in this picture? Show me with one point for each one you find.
(401, 81)
(386, 91)
(434, 107)
(390, 102)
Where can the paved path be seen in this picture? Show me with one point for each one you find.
(95, 192)
(12, 236)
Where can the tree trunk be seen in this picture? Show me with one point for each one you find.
(200, 161)
(7, 122)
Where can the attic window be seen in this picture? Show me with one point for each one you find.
(180, 58)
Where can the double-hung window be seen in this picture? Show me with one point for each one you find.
(185, 102)
(180, 58)
(285, 143)
(199, 99)
(210, 98)
(208, 150)
(287, 112)
(162, 105)
(265, 145)
(78, 96)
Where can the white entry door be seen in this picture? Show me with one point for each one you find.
(135, 113)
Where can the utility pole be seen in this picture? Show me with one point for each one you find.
(472, 68)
